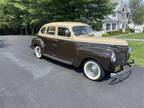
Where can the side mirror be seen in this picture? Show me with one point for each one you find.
(67, 33)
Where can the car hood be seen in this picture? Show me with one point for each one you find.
(101, 40)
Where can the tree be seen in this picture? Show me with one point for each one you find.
(137, 11)
(28, 16)
(6, 18)
(88, 11)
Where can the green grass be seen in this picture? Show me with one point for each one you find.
(134, 36)
(138, 52)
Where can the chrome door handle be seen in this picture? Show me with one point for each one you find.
(55, 40)
(54, 45)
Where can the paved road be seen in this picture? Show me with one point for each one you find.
(26, 82)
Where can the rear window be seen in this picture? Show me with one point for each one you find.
(43, 30)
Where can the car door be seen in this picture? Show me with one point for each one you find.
(51, 41)
(66, 47)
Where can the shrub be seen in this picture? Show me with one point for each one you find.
(130, 30)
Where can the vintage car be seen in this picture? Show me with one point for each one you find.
(74, 43)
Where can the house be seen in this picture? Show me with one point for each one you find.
(137, 28)
(119, 19)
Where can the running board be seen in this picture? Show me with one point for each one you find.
(57, 59)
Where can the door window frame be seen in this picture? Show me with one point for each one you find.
(51, 35)
(65, 28)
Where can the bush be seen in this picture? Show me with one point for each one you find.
(130, 30)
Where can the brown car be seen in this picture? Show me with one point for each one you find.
(74, 44)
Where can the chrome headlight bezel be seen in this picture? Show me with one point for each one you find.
(113, 57)
(130, 50)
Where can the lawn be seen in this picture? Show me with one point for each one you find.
(138, 47)
(138, 52)
(134, 36)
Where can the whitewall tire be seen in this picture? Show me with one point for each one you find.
(93, 70)
(38, 52)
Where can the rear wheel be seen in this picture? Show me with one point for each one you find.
(38, 52)
(93, 70)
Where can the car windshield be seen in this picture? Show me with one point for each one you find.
(83, 30)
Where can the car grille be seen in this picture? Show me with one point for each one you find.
(122, 55)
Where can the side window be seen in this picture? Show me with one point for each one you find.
(43, 30)
(62, 31)
(51, 30)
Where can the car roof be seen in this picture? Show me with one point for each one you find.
(69, 24)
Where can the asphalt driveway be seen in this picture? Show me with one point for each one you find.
(27, 82)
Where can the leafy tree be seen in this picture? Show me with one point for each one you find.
(88, 11)
(137, 11)
(27, 16)
(6, 18)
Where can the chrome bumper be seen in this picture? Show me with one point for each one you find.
(120, 76)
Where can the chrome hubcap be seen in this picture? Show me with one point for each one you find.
(38, 51)
(92, 70)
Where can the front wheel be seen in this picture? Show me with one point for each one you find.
(93, 70)
(38, 52)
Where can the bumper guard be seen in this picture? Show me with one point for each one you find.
(120, 76)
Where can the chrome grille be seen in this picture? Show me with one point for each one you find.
(122, 55)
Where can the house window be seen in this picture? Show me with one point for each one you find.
(123, 26)
(114, 26)
(108, 26)
(123, 14)
(114, 14)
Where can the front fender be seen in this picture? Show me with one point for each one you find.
(100, 54)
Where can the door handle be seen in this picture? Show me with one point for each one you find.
(54, 45)
(55, 40)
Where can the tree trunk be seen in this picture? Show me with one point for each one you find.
(26, 31)
(21, 31)
(32, 29)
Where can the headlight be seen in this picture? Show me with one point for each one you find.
(113, 57)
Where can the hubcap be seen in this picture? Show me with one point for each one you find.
(38, 51)
(92, 70)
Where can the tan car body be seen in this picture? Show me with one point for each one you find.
(97, 40)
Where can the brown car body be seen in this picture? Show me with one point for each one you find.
(74, 50)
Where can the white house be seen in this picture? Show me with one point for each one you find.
(118, 20)
(137, 28)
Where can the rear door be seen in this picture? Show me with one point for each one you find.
(51, 41)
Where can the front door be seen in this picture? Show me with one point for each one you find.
(66, 48)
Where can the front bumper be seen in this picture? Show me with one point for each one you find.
(120, 76)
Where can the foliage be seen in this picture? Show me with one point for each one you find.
(7, 16)
(137, 11)
(27, 16)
